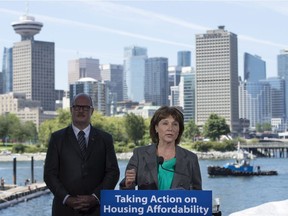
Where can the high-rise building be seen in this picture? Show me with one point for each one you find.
(156, 81)
(33, 64)
(217, 77)
(114, 74)
(278, 115)
(1, 83)
(184, 58)
(282, 67)
(255, 103)
(7, 70)
(83, 67)
(134, 72)
(187, 93)
(174, 74)
(254, 68)
(97, 90)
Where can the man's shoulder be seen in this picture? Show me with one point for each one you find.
(100, 131)
(61, 132)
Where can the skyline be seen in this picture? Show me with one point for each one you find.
(101, 29)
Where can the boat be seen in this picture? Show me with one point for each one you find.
(240, 167)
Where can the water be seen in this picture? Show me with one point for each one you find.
(235, 193)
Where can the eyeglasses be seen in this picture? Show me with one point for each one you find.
(79, 107)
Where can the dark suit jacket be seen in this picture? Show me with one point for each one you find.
(144, 160)
(67, 172)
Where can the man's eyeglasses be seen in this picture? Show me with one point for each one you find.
(79, 107)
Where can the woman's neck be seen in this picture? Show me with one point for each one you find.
(167, 150)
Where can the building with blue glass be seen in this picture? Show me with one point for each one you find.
(156, 89)
(134, 73)
(282, 70)
(184, 58)
(7, 71)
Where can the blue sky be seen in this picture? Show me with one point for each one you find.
(101, 29)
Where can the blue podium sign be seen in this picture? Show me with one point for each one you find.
(156, 202)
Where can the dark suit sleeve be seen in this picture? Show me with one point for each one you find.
(132, 164)
(51, 167)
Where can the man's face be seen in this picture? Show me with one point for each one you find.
(81, 111)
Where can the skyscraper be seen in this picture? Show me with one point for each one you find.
(156, 81)
(184, 58)
(217, 76)
(255, 103)
(282, 66)
(278, 115)
(174, 74)
(33, 64)
(7, 70)
(83, 67)
(254, 68)
(187, 93)
(134, 72)
(114, 74)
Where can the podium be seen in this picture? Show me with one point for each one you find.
(156, 202)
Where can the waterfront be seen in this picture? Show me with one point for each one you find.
(235, 193)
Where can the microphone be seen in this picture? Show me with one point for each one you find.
(160, 160)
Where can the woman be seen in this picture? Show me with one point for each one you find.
(181, 167)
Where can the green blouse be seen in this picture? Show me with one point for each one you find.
(165, 177)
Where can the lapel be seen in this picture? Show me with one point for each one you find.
(93, 136)
(151, 159)
(181, 166)
(73, 140)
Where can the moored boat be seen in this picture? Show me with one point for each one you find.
(241, 167)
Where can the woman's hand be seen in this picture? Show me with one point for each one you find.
(130, 176)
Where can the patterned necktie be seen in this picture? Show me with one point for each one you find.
(82, 142)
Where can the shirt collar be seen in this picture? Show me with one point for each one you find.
(86, 130)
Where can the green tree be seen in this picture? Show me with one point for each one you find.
(27, 132)
(259, 127)
(135, 127)
(9, 126)
(191, 130)
(63, 118)
(267, 126)
(215, 126)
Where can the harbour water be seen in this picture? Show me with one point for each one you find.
(235, 193)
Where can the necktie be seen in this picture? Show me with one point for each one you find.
(82, 142)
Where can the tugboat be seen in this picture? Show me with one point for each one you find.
(241, 167)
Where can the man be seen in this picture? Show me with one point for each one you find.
(77, 172)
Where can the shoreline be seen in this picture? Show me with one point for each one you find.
(120, 156)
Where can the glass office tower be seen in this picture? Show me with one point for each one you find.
(134, 72)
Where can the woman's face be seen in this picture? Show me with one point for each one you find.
(168, 130)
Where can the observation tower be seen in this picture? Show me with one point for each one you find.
(27, 27)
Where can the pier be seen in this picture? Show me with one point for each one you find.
(12, 194)
(268, 148)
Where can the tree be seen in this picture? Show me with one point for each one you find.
(135, 127)
(191, 130)
(26, 132)
(9, 125)
(215, 127)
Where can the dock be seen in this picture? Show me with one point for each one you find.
(13, 194)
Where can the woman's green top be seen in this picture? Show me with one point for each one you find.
(165, 177)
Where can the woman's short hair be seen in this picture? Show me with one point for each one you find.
(162, 113)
